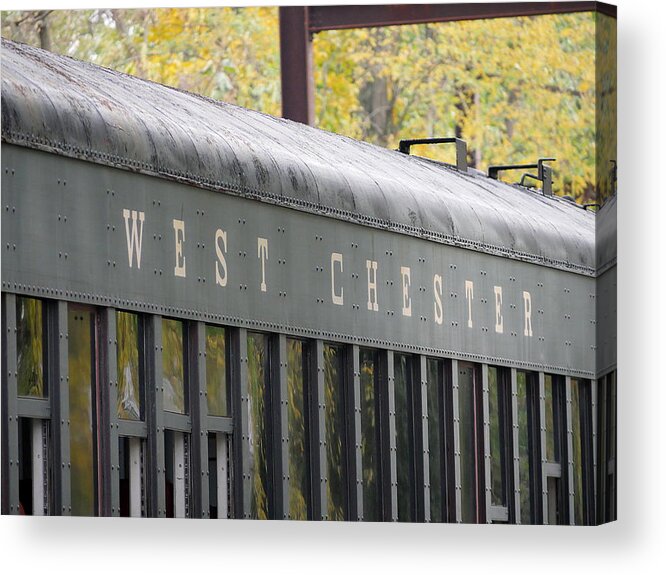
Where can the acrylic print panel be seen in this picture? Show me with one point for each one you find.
(395, 305)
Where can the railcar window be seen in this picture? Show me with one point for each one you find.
(216, 370)
(436, 458)
(129, 402)
(606, 482)
(257, 351)
(334, 395)
(30, 335)
(526, 440)
(471, 447)
(82, 409)
(173, 366)
(219, 476)
(555, 430)
(370, 435)
(177, 473)
(404, 428)
(577, 445)
(298, 433)
(551, 453)
(612, 477)
(132, 490)
(498, 395)
(34, 466)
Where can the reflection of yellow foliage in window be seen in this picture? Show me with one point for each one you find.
(296, 426)
(128, 404)
(80, 346)
(173, 371)
(333, 396)
(216, 376)
(29, 342)
(256, 353)
(369, 453)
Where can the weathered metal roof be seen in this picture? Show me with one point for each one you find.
(606, 235)
(77, 109)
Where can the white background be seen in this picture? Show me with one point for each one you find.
(633, 544)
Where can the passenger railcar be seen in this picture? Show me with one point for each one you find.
(212, 312)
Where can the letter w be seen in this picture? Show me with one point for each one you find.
(135, 236)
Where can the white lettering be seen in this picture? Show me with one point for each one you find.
(499, 320)
(179, 231)
(406, 300)
(437, 288)
(221, 278)
(262, 254)
(527, 301)
(134, 238)
(469, 294)
(337, 299)
(372, 285)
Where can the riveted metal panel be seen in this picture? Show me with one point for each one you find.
(354, 420)
(218, 424)
(130, 428)
(542, 439)
(77, 249)
(486, 442)
(241, 414)
(199, 405)
(319, 450)
(155, 418)
(606, 287)
(422, 475)
(10, 452)
(114, 119)
(58, 369)
(34, 408)
(387, 403)
(456, 439)
(605, 307)
(280, 418)
(570, 461)
(515, 438)
(112, 481)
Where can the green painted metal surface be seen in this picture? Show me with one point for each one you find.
(67, 225)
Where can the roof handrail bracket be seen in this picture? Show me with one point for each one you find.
(544, 173)
(461, 148)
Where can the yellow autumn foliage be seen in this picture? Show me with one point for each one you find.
(515, 88)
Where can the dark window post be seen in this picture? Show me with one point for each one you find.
(355, 453)
(515, 440)
(318, 452)
(10, 431)
(422, 450)
(485, 492)
(199, 414)
(110, 458)
(240, 399)
(279, 407)
(155, 418)
(386, 458)
(58, 378)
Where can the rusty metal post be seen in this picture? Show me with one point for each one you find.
(296, 65)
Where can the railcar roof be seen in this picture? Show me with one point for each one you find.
(68, 107)
(606, 235)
